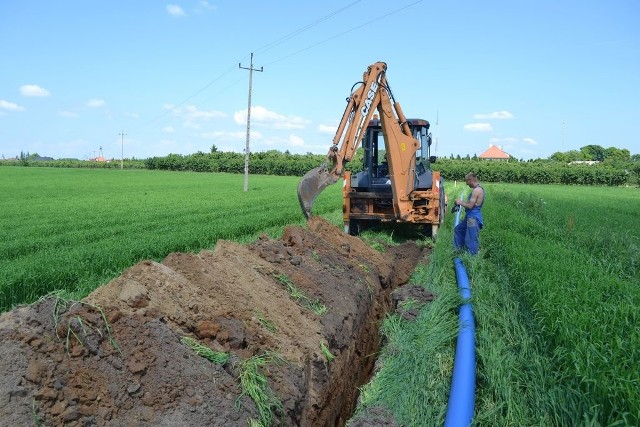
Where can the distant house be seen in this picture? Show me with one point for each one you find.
(494, 153)
(98, 159)
(584, 162)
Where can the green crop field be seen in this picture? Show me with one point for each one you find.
(556, 290)
(556, 297)
(75, 229)
(564, 263)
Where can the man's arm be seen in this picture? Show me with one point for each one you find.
(475, 194)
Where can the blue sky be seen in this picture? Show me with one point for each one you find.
(533, 77)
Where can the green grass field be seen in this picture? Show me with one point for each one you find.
(556, 298)
(555, 286)
(565, 261)
(75, 229)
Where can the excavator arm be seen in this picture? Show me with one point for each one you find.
(373, 94)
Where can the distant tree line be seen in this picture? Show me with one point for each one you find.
(614, 166)
(534, 172)
(612, 155)
(261, 163)
(35, 160)
(271, 162)
(615, 171)
(590, 165)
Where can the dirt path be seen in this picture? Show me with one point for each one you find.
(118, 357)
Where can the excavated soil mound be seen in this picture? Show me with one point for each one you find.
(119, 358)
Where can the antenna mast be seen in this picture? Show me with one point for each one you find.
(437, 131)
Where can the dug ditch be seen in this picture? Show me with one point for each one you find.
(296, 320)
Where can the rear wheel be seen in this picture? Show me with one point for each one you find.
(353, 228)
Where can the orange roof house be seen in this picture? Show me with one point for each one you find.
(494, 153)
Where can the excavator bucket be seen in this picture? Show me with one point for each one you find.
(312, 184)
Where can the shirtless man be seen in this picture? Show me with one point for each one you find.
(467, 231)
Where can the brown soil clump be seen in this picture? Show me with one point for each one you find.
(308, 305)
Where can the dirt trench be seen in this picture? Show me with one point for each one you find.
(118, 358)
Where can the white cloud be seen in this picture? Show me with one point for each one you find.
(500, 115)
(68, 114)
(175, 10)
(478, 127)
(193, 113)
(229, 136)
(204, 6)
(529, 141)
(33, 90)
(296, 141)
(168, 129)
(255, 135)
(327, 129)
(6, 105)
(261, 115)
(95, 103)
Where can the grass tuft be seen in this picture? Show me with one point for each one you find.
(299, 296)
(326, 352)
(75, 327)
(266, 323)
(217, 357)
(255, 385)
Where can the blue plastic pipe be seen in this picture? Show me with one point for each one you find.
(463, 383)
(458, 212)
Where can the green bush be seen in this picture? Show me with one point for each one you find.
(544, 172)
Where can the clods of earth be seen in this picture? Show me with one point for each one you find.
(276, 332)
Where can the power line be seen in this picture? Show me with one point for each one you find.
(202, 89)
(347, 31)
(279, 41)
(303, 29)
(261, 50)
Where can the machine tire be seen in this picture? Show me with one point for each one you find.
(443, 202)
(434, 231)
(354, 227)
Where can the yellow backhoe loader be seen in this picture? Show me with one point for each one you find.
(396, 182)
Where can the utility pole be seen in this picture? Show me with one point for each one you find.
(246, 149)
(122, 134)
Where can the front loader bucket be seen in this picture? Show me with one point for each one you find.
(312, 184)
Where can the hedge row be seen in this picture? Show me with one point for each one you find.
(267, 163)
(533, 172)
(74, 163)
(276, 163)
(285, 164)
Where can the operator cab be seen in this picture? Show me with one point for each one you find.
(375, 174)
